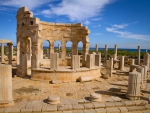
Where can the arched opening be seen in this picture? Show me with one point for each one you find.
(57, 47)
(80, 48)
(46, 50)
(68, 49)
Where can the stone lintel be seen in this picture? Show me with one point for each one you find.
(5, 41)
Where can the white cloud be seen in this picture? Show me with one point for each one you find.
(78, 9)
(96, 19)
(135, 22)
(125, 34)
(120, 26)
(31, 4)
(87, 22)
(97, 34)
(97, 25)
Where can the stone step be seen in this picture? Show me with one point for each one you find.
(97, 107)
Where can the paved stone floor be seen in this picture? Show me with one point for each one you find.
(30, 96)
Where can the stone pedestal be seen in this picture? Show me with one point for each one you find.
(89, 61)
(95, 97)
(54, 61)
(6, 98)
(106, 52)
(53, 99)
(122, 63)
(133, 91)
(138, 56)
(98, 59)
(2, 52)
(140, 69)
(109, 67)
(75, 62)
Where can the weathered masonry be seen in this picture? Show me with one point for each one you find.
(31, 33)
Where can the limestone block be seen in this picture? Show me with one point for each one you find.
(6, 98)
(89, 61)
(54, 61)
(98, 59)
(134, 82)
(75, 62)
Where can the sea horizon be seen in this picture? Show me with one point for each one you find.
(93, 48)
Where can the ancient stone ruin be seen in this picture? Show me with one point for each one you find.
(69, 83)
(31, 33)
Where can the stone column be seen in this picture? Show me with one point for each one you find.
(98, 59)
(75, 62)
(106, 52)
(18, 51)
(47, 53)
(10, 46)
(145, 72)
(114, 56)
(96, 48)
(2, 52)
(134, 81)
(138, 56)
(132, 62)
(122, 63)
(74, 48)
(146, 60)
(115, 50)
(140, 69)
(89, 61)
(54, 61)
(6, 97)
(58, 48)
(51, 48)
(63, 50)
(84, 53)
(109, 67)
(35, 60)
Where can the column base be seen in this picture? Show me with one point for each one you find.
(3, 105)
(133, 97)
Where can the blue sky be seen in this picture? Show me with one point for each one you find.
(122, 22)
